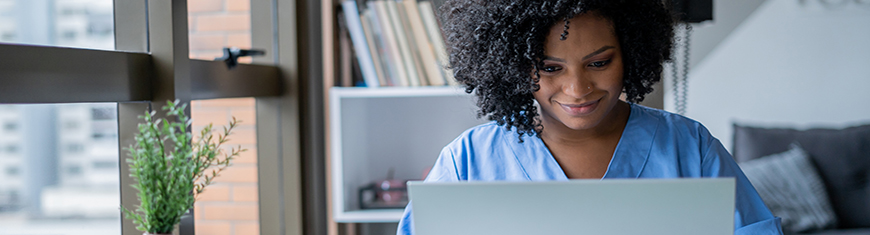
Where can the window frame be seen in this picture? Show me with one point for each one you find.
(151, 64)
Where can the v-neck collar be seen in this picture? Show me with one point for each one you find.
(628, 159)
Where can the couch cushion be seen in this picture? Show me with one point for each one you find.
(842, 157)
(859, 231)
(792, 189)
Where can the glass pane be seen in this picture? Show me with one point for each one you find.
(65, 23)
(59, 169)
(215, 24)
(230, 205)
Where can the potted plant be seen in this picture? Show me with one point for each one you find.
(170, 169)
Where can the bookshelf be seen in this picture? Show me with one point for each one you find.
(371, 130)
(377, 130)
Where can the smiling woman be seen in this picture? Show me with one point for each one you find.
(555, 71)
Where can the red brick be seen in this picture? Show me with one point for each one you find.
(247, 116)
(207, 41)
(233, 102)
(215, 193)
(212, 228)
(205, 5)
(202, 117)
(238, 174)
(206, 54)
(245, 193)
(240, 40)
(235, 211)
(228, 22)
(243, 136)
(246, 228)
(239, 5)
(246, 157)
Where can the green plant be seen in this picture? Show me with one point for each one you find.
(170, 169)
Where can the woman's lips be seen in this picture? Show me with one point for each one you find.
(580, 109)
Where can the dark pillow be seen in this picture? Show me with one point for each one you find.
(790, 186)
(842, 157)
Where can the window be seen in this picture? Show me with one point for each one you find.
(13, 171)
(10, 126)
(73, 170)
(77, 180)
(101, 165)
(75, 148)
(79, 158)
(67, 23)
(103, 113)
(71, 125)
(11, 149)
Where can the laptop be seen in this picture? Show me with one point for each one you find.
(611, 206)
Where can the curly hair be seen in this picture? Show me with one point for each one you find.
(494, 46)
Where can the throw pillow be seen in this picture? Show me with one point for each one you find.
(790, 186)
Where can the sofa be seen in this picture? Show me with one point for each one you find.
(841, 157)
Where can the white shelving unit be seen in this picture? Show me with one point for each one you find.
(373, 130)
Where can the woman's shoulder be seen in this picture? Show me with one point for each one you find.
(483, 135)
(671, 124)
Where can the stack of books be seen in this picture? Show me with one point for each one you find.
(396, 43)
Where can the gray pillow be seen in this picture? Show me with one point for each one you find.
(790, 186)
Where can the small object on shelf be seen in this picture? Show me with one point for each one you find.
(384, 194)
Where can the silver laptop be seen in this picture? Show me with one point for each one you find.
(613, 206)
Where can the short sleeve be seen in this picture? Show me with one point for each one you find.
(444, 170)
(751, 216)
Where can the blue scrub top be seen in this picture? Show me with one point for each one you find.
(654, 144)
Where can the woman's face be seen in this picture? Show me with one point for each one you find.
(582, 76)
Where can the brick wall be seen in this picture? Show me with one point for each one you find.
(229, 206)
(215, 24)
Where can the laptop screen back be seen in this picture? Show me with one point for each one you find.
(619, 206)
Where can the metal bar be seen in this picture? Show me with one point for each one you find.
(128, 121)
(269, 142)
(169, 46)
(66, 75)
(168, 38)
(288, 62)
(131, 34)
(212, 79)
(311, 95)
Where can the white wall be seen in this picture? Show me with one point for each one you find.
(790, 63)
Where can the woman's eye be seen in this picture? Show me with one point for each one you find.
(550, 69)
(599, 64)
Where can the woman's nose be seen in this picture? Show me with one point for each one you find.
(579, 86)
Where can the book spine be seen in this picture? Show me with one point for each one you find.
(345, 47)
(423, 44)
(412, 44)
(404, 49)
(360, 45)
(395, 59)
(383, 47)
(370, 39)
(427, 12)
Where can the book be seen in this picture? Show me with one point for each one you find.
(345, 48)
(394, 58)
(422, 43)
(382, 46)
(364, 56)
(370, 39)
(412, 44)
(402, 40)
(427, 13)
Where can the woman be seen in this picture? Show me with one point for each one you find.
(549, 74)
